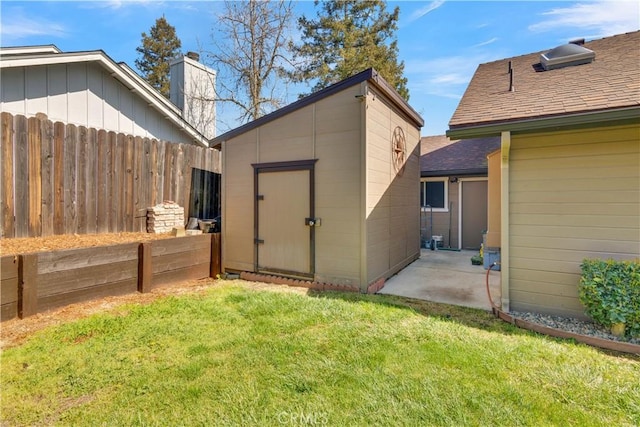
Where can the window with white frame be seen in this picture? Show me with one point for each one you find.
(434, 193)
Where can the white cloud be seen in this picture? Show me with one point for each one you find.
(463, 65)
(424, 10)
(445, 77)
(492, 40)
(452, 78)
(428, 86)
(18, 27)
(605, 18)
(118, 4)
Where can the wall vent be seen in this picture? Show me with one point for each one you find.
(565, 56)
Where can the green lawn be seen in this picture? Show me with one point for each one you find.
(239, 356)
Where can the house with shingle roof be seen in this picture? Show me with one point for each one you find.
(453, 189)
(566, 182)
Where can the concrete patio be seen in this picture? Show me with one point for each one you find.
(445, 277)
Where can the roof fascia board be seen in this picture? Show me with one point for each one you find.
(591, 118)
(124, 74)
(396, 99)
(29, 50)
(10, 61)
(456, 172)
(142, 82)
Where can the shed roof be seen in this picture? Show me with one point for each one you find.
(370, 75)
(611, 82)
(441, 156)
(29, 56)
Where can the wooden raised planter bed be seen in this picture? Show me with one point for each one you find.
(33, 283)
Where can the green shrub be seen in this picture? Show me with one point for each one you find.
(610, 292)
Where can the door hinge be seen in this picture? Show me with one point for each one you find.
(258, 241)
(260, 197)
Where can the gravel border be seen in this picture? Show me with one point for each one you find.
(570, 324)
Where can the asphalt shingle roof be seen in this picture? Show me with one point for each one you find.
(611, 81)
(441, 156)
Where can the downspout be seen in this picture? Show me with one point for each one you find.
(459, 183)
(505, 146)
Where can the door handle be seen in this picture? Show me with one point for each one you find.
(312, 222)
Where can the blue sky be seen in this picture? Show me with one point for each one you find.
(440, 42)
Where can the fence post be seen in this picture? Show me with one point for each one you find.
(145, 268)
(27, 285)
(216, 261)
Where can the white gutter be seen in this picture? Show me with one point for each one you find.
(533, 124)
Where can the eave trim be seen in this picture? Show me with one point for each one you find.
(535, 124)
(456, 172)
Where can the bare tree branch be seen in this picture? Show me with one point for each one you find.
(250, 47)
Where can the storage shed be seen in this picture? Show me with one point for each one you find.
(325, 189)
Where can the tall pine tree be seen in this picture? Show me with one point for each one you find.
(157, 49)
(347, 37)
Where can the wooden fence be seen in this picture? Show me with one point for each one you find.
(37, 282)
(63, 179)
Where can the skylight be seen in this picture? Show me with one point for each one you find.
(566, 55)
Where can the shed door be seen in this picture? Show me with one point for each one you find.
(284, 244)
(474, 213)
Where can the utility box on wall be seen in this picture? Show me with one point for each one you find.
(490, 256)
(325, 189)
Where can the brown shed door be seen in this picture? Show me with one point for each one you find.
(474, 213)
(284, 243)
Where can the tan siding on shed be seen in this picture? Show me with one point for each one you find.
(573, 195)
(238, 205)
(393, 203)
(290, 139)
(329, 131)
(379, 176)
(337, 148)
